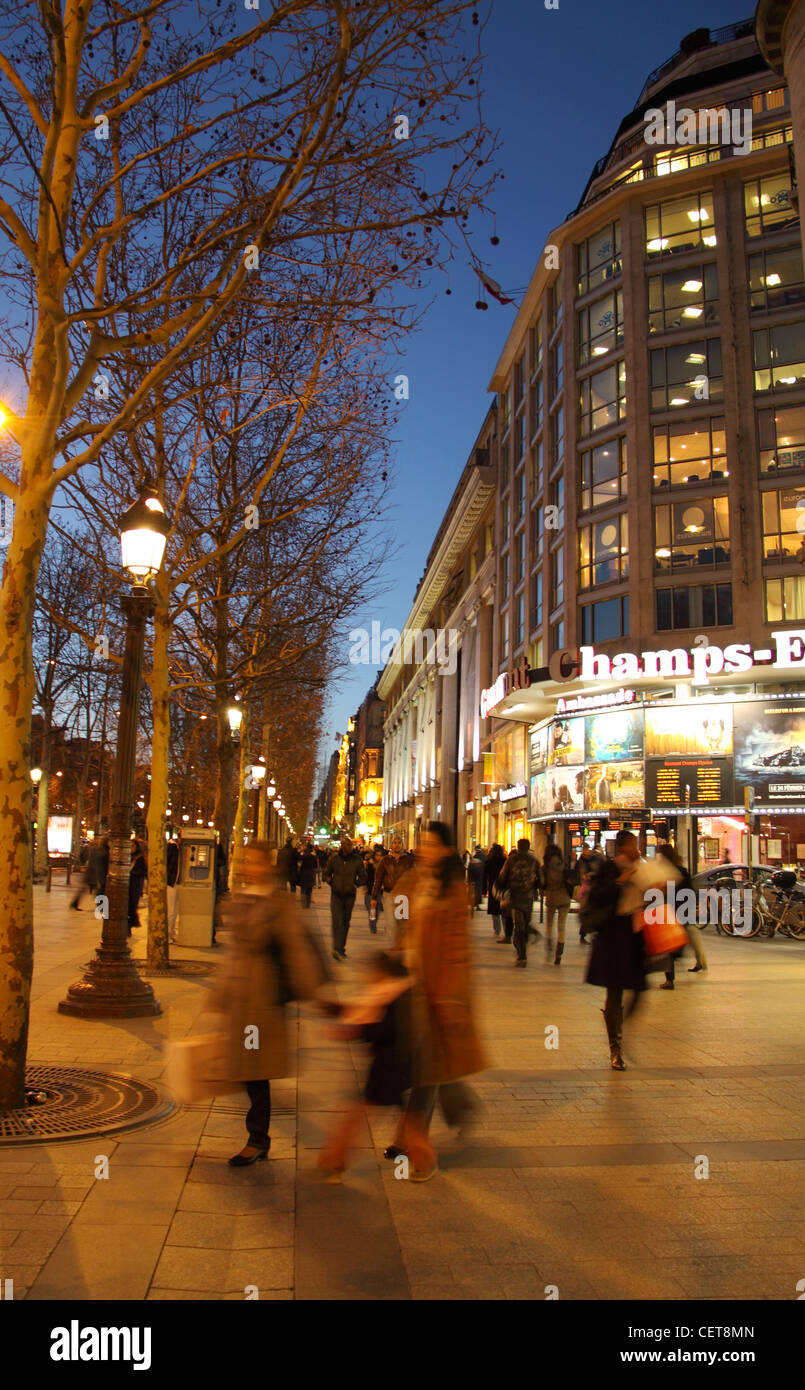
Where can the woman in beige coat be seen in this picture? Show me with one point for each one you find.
(271, 961)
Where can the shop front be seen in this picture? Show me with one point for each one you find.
(721, 774)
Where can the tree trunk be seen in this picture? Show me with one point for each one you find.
(262, 799)
(158, 945)
(43, 800)
(16, 791)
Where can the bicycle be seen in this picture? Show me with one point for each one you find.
(779, 911)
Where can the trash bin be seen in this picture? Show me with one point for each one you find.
(196, 888)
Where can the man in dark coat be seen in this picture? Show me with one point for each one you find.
(519, 876)
(345, 874)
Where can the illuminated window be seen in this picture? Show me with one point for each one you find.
(781, 438)
(783, 508)
(681, 224)
(599, 257)
(686, 373)
(600, 327)
(785, 599)
(697, 605)
(604, 551)
(603, 473)
(602, 398)
(779, 356)
(690, 451)
(768, 204)
(776, 278)
(691, 533)
(682, 299)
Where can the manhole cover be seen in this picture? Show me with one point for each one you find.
(80, 1101)
(173, 968)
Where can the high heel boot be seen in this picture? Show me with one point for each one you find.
(615, 1037)
(560, 946)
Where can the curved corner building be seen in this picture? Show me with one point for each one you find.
(651, 508)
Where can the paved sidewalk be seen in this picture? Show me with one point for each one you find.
(577, 1177)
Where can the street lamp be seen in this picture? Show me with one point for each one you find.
(36, 775)
(234, 714)
(271, 789)
(112, 987)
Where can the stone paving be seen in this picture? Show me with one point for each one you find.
(576, 1177)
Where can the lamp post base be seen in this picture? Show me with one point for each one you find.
(111, 988)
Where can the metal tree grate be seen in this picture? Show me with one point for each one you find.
(82, 1101)
(175, 968)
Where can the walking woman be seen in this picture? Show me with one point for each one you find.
(495, 860)
(616, 961)
(270, 962)
(445, 1044)
(557, 901)
(306, 874)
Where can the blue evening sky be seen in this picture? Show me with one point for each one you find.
(556, 86)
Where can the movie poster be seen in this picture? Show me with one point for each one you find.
(770, 750)
(614, 786)
(681, 730)
(614, 737)
(564, 790)
(567, 742)
(539, 749)
(538, 799)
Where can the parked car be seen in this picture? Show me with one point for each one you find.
(731, 875)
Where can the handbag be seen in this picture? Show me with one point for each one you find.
(198, 1067)
(662, 933)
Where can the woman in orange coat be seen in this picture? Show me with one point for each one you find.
(446, 1046)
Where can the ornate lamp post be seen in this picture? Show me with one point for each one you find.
(111, 987)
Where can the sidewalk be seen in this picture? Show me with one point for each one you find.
(577, 1177)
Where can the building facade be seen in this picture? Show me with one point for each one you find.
(369, 768)
(641, 656)
(652, 475)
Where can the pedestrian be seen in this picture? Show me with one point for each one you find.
(270, 962)
(87, 884)
(557, 901)
(445, 1043)
(518, 879)
(617, 960)
(381, 1017)
(476, 874)
(171, 890)
(495, 860)
(306, 874)
(99, 864)
(286, 862)
(587, 865)
(682, 883)
(137, 877)
(345, 874)
(506, 914)
(388, 872)
(373, 901)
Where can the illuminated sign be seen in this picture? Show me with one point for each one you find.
(511, 793)
(699, 662)
(616, 697)
(494, 694)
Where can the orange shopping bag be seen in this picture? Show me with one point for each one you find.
(662, 933)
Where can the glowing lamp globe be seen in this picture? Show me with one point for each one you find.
(143, 535)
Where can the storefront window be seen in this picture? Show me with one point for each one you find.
(768, 204)
(602, 398)
(686, 373)
(682, 298)
(696, 605)
(779, 356)
(681, 224)
(690, 451)
(692, 533)
(600, 327)
(781, 438)
(603, 473)
(785, 599)
(604, 551)
(599, 257)
(776, 278)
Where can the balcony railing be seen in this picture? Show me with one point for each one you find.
(741, 29)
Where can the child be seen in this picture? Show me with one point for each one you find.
(380, 1017)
